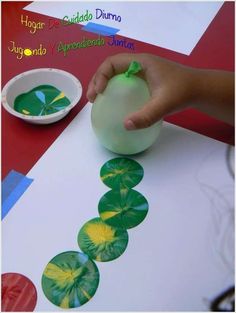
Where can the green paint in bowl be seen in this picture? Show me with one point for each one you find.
(42, 100)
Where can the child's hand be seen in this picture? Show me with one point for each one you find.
(172, 88)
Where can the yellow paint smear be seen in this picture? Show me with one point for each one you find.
(65, 303)
(85, 293)
(61, 277)
(100, 233)
(60, 96)
(25, 112)
(98, 258)
(115, 172)
(108, 214)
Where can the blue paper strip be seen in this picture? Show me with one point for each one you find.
(13, 187)
(100, 29)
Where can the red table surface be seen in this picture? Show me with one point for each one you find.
(23, 144)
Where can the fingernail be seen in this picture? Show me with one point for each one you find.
(130, 125)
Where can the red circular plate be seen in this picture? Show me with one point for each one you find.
(18, 293)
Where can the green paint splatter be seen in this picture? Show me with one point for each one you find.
(121, 173)
(70, 279)
(101, 241)
(42, 100)
(123, 208)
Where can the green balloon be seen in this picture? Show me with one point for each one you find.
(124, 94)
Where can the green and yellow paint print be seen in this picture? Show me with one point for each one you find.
(123, 208)
(121, 173)
(70, 279)
(101, 241)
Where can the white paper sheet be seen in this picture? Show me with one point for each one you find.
(177, 26)
(178, 259)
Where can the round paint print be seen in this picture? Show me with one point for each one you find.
(18, 293)
(70, 279)
(123, 208)
(101, 241)
(121, 173)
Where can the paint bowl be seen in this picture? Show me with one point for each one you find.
(23, 83)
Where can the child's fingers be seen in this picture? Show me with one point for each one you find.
(101, 80)
(111, 66)
(151, 112)
(103, 74)
(91, 93)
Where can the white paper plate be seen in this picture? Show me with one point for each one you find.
(26, 81)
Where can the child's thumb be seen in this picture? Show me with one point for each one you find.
(149, 114)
